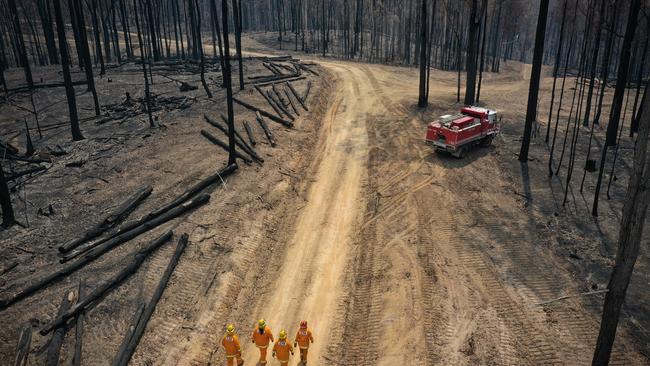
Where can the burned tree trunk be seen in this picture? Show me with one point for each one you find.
(472, 43)
(77, 11)
(556, 67)
(144, 66)
(533, 91)
(46, 24)
(8, 217)
(105, 287)
(422, 100)
(67, 79)
(227, 81)
(22, 51)
(124, 358)
(629, 240)
(619, 93)
(56, 341)
(236, 10)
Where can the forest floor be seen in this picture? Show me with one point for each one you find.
(393, 253)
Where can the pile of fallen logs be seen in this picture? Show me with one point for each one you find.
(23, 166)
(91, 245)
(281, 96)
(132, 107)
(94, 249)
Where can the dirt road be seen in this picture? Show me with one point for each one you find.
(310, 279)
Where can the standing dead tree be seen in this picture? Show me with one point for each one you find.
(147, 100)
(619, 93)
(8, 217)
(533, 91)
(67, 79)
(629, 239)
(20, 42)
(227, 81)
(422, 100)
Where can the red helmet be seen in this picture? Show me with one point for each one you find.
(303, 324)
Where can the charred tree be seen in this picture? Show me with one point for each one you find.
(531, 111)
(77, 11)
(67, 79)
(144, 66)
(629, 239)
(236, 10)
(422, 101)
(612, 127)
(20, 43)
(227, 81)
(472, 44)
(8, 217)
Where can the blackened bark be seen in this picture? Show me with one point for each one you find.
(67, 79)
(472, 44)
(227, 81)
(8, 217)
(603, 349)
(531, 112)
(422, 101)
(22, 51)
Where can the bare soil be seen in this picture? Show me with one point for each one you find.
(393, 253)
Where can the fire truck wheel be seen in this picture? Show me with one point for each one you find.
(487, 141)
(460, 153)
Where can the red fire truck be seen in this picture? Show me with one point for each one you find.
(457, 133)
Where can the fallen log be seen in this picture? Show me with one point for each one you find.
(225, 146)
(7, 148)
(278, 58)
(274, 78)
(189, 193)
(17, 175)
(117, 216)
(286, 93)
(271, 103)
(274, 97)
(24, 344)
(272, 69)
(289, 78)
(239, 141)
(263, 112)
(9, 267)
(44, 86)
(27, 160)
(286, 67)
(107, 286)
(256, 77)
(267, 131)
(249, 132)
(295, 94)
(278, 106)
(79, 327)
(124, 358)
(98, 250)
(304, 98)
(129, 331)
(280, 97)
(308, 69)
(145, 226)
(54, 349)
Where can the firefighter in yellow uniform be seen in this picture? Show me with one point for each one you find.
(230, 343)
(282, 349)
(303, 339)
(262, 337)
